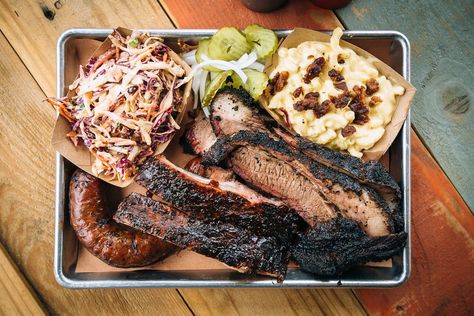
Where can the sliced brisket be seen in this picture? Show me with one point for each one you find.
(211, 172)
(278, 178)
(371, 173)
(334, 246)
(204, 198)
(235, 246)
(233, 110)
(199, 136)
(352, 199)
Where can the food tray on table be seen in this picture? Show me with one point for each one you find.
(389, 46)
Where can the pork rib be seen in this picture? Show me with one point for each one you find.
(233, 245)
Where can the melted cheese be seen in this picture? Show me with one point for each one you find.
(357, 70)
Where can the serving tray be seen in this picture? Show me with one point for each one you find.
(390, 46)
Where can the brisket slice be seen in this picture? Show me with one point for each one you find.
(352, 199)
(233, 110)
(371, 173)
(212, 172)
(227, 201)
(334, 246)
(235, 246)
(236, 112)
(278, 178)
(199, 136)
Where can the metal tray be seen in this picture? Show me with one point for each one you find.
(390, 46)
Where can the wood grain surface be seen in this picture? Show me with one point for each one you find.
(272, 302)
(27, 73)
(442, 42)
(215, 14)
(33, 27)
(16, 295)
(442, 278)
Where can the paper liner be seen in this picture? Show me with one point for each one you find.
(300, 35)
(183, 260)
(80, 155)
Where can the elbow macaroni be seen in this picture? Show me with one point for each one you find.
(356, 70)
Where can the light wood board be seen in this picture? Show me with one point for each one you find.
(16, 295)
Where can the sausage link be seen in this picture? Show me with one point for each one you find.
(116, 245)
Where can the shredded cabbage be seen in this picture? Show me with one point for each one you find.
(124, 103)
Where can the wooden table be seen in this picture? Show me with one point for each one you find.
(442, 281)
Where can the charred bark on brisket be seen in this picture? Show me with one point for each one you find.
(354, 200)
(235, 246)
(227, 201)
(332, 247)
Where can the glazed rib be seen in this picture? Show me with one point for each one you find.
(233, 245)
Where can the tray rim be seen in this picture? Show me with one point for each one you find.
(68, 282)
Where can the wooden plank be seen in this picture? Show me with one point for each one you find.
(442, 281)
(16, 295)
(271, 302)
(33, 27)
(442, 63)
(27, 203)
(212, 14)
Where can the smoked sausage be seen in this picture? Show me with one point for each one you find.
(113, 243)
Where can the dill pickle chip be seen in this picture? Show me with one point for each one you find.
(203, 49)
(214, 86)
(256, 82)
(264, 41)
(234, 81)
(228, 44)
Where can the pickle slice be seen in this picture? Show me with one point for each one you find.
(228, 44)
(264, 41)
(214, 86)
(203, 49)
(256, 82)
(234, 81)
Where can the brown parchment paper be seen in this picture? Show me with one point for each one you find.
(80, 155)
(300, 35)
(183, 260)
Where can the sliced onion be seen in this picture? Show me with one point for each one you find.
(257, 66)
(222, 65)
(202, 86)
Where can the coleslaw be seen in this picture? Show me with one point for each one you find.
(125, 103)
